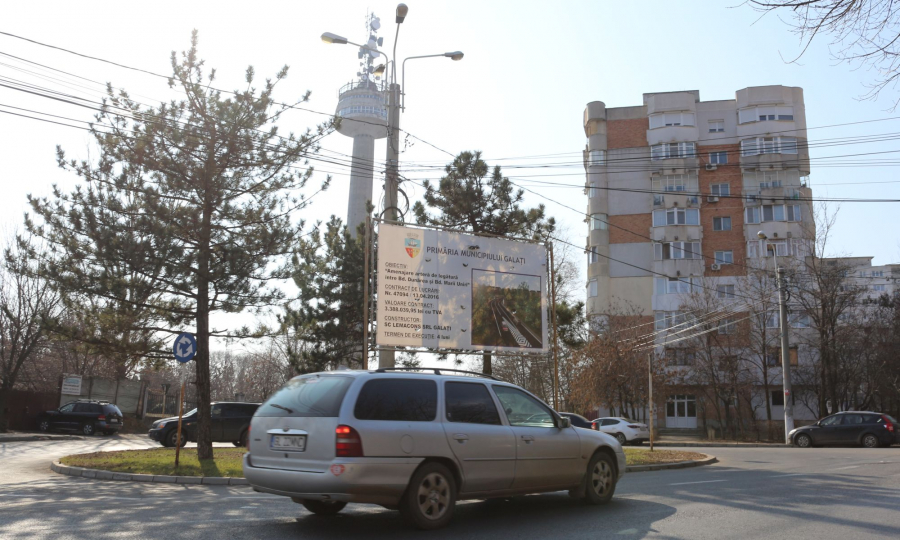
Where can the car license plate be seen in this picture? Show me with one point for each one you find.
(288, 443)
(113, 421)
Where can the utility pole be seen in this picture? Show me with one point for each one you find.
(650, 395)
(386, 358)
(785, 355)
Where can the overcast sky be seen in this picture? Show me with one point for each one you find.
(529, 69)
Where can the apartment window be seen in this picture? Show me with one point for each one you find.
(799, 320)
(676, 216)
(672, 150)
(727, 326)
(668, 319)
(877, 273)
(879, 288)
(671, 119)
(763, 114)
(777, 395)
(773, 358)
(724, 257)
(716, 126)
(599, 222)
(674, 182)
(593, 191)
(793, 212)
(725, 291)
(753, 249)
(597, 157)
(593, 256)
(592, 288)
(722, 223)
(676, 285)
(718, 158)
(752, 215)
(676, 250)
(720, 190)
(780, 212)
(768, 145)
(773, 319)
(680, 357)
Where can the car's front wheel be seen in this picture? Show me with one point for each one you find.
(324, 508)
(870, 441)
(172, 439)
(44, 425)
(601, 479)
(803, 440)
(430, 497)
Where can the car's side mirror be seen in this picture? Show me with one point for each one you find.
(564, 422)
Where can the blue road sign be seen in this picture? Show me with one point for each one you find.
(185, 347)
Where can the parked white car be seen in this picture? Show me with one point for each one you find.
(418, 441)
(624, 430)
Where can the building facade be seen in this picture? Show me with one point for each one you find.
(678, 192)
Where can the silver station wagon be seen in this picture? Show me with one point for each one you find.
(418, 441)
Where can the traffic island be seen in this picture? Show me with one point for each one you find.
(158, 465)
(641, 460)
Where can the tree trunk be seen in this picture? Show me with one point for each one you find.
(204, 420)
(4, 415)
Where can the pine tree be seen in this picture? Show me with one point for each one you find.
(189, 210)
(472, 197)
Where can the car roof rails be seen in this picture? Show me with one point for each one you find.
(437, 371)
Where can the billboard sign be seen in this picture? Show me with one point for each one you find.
(71, 385)
(450, 290)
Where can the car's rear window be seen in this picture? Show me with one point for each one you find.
(407, 400)
(313, 396)
(112, 409)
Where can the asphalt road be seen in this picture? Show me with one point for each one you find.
(516, 334)
(789, 493)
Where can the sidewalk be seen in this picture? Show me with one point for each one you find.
(25, 436)
(688, 441)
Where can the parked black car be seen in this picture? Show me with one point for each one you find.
(84, 415)
(577, 420)
(230, 422)
(869, 429)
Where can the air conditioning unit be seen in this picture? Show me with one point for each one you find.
(790, 234)
(711, 167)
(715, 266)
(712, 198)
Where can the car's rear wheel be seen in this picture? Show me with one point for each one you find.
(870, 441)
(324, 508)
(803, 440)
(172, 439)
(430, 497)
(87, 429)
(621, 438)
(601, 479)
(44, 425)
(242, 441)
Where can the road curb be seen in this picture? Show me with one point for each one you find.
(718, 445)
(708, 460)
(31, 438)
(97, 474)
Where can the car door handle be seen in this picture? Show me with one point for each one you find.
(461, 437)
(528, 439)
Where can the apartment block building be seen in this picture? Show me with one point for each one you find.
(679, 190)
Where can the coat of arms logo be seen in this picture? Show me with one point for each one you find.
(413, 246)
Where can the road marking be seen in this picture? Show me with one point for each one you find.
(700, 482)
(845, 468)
(792, 474)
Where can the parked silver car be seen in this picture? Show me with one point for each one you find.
(418, 441)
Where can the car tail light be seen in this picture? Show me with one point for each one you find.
(347, 442)
(888, 424)
(634, 426)
(102, 417)
(248, 436)
(594, 426)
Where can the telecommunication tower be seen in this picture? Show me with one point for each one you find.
(363, 111)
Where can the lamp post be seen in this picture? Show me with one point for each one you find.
(785, 344)
(392, 158)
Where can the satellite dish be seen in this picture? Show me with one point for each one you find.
(380, 41)
(376, 23)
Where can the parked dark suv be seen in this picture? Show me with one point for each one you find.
(869, 429)
(86, 416)
(229, 424)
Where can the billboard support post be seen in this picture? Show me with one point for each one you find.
(553, 323)
(367, 240)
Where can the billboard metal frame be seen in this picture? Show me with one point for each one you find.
(369, 275)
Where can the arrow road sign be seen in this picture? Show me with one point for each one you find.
(185, 347)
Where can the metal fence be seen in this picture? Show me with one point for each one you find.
(162, 405)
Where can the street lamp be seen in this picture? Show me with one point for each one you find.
(785, 344)
(456, 56)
